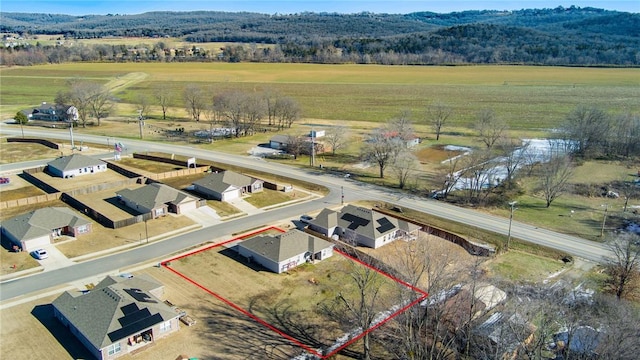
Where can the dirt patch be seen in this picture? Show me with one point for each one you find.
(79, 182)
(435, 154)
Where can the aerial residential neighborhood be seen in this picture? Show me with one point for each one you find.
(295, 180)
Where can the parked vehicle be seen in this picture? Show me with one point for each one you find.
(305, 219)
(40, 254)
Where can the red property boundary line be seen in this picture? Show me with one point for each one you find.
(166, 264)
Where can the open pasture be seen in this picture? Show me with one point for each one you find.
(526, 97)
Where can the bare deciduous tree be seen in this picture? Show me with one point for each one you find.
(587, 127)
(100, 101)
(554, 177)
(194, 101)
(623, 268)
(513, 154)
(143, 104)
(381, 149)
(403, 166)
(163, 96)
(437, 115)
(337, 137)
(287, 111)
(359, 302)
(490, 128)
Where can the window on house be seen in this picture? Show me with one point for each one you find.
(165, 326)
(113, 349)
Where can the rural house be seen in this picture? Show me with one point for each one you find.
(37, 228)
(227, 185)
(364, 227)
(284, 252)
(118, 316)
(279, 142)
(157, 199)
(48, 112)
(75, 165)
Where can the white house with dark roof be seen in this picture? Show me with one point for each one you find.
(118, 316)
(157, 199)
(37, 228)
(285, 251)
(361, 226)
(227, 185)
(75, 165)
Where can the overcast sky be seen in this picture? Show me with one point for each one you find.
(101, 7)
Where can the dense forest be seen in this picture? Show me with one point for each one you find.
(560, 36)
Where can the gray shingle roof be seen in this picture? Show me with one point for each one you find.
(222, 181)
(283, 139)
(371, 223)
(154, 195)
(326, 219)
(285, 246)
(41, 222)
(115, 309)
(75, 161)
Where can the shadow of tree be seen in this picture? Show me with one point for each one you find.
(44, 314)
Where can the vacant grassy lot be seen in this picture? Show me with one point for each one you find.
(526, 97)
(291, 301)
(516, 266)
(101, 238)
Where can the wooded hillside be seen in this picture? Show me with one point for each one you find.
(560, 36)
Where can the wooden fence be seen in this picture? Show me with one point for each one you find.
(26, 174)
(46, 143)
(470, 247)
(29, 200)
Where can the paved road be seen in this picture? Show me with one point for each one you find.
(352, 191)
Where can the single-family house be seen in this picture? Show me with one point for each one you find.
(227, 185)
(49, 112)
(279, 142)
(157, 199)
(285, 251)
(39, 227)
(75, 165)
(363, 227)
(118, 316)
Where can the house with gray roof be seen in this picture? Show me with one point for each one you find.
(280, 142)
(227, 185)
(53, 112)
(117, 316)
(75, 165)
(364, 227)
(157, 199)
(285, 251)
(40, 227)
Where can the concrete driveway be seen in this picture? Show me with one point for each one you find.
(56, 259)
(204, 216)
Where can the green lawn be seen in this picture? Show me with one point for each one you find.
(522, 267)
(526, 97)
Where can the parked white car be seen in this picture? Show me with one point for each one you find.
(40, 254)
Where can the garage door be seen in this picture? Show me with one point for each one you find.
(36, 243)
(230, 195)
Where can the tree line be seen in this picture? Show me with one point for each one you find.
(244, 112)
(560, 36)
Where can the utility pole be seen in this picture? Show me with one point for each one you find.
(342, 195)
(140, 123)
(511, 204)
(313, 148)
(604, 219)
